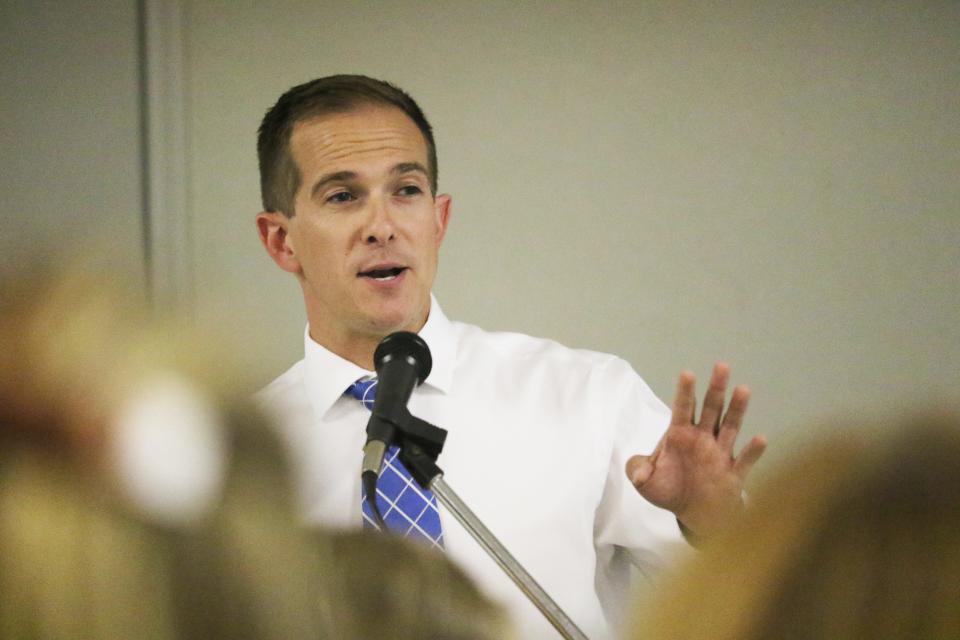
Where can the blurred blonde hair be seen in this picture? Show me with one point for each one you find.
(400, 589)
(858, 536)
(77, 560)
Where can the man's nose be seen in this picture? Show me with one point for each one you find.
(379, 226)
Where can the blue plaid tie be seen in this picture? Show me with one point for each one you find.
(406, 507)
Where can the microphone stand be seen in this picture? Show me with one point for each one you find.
(420, 443)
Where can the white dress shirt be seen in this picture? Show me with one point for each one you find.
(539, 435)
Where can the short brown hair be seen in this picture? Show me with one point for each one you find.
(279, 174)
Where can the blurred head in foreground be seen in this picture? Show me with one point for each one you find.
(77, 562)
(102, 533)
(856, 537)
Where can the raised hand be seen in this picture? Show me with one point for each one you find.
(693, 471)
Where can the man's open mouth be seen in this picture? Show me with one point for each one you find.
(382, 274)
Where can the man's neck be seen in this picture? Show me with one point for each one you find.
(352, 343)
(358, 350)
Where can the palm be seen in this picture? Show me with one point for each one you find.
(693, 471)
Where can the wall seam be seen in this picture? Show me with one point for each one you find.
(167, 224)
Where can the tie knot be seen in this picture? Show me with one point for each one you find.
(365, 391)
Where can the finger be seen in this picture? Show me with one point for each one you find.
(685, 400)
(639, 469)
(749, 456)
(730, 426)
(656, 450)
(713, 401)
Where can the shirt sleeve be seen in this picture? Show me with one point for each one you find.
(628, 530)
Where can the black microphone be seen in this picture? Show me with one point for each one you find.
(402, 361)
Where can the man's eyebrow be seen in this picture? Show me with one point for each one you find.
(339, 176)
(346, 176)
(409, 167)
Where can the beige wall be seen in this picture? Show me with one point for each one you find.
(775, 185)
(70, 166)
(772, 185)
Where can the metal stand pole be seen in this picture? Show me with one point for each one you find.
(507, 562)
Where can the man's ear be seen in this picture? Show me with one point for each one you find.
(442, 206)
(273, 228)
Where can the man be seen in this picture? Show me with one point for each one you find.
(562, 453)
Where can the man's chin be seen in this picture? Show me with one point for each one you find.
(385, 323)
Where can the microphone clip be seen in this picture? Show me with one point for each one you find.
(406, 429)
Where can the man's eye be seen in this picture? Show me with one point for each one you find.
(341, 197)
(410, 190)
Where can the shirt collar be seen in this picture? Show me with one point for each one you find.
(438, 334)
(328, 375)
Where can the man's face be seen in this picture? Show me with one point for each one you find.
(366, 234)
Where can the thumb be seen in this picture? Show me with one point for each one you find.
(639, 469)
